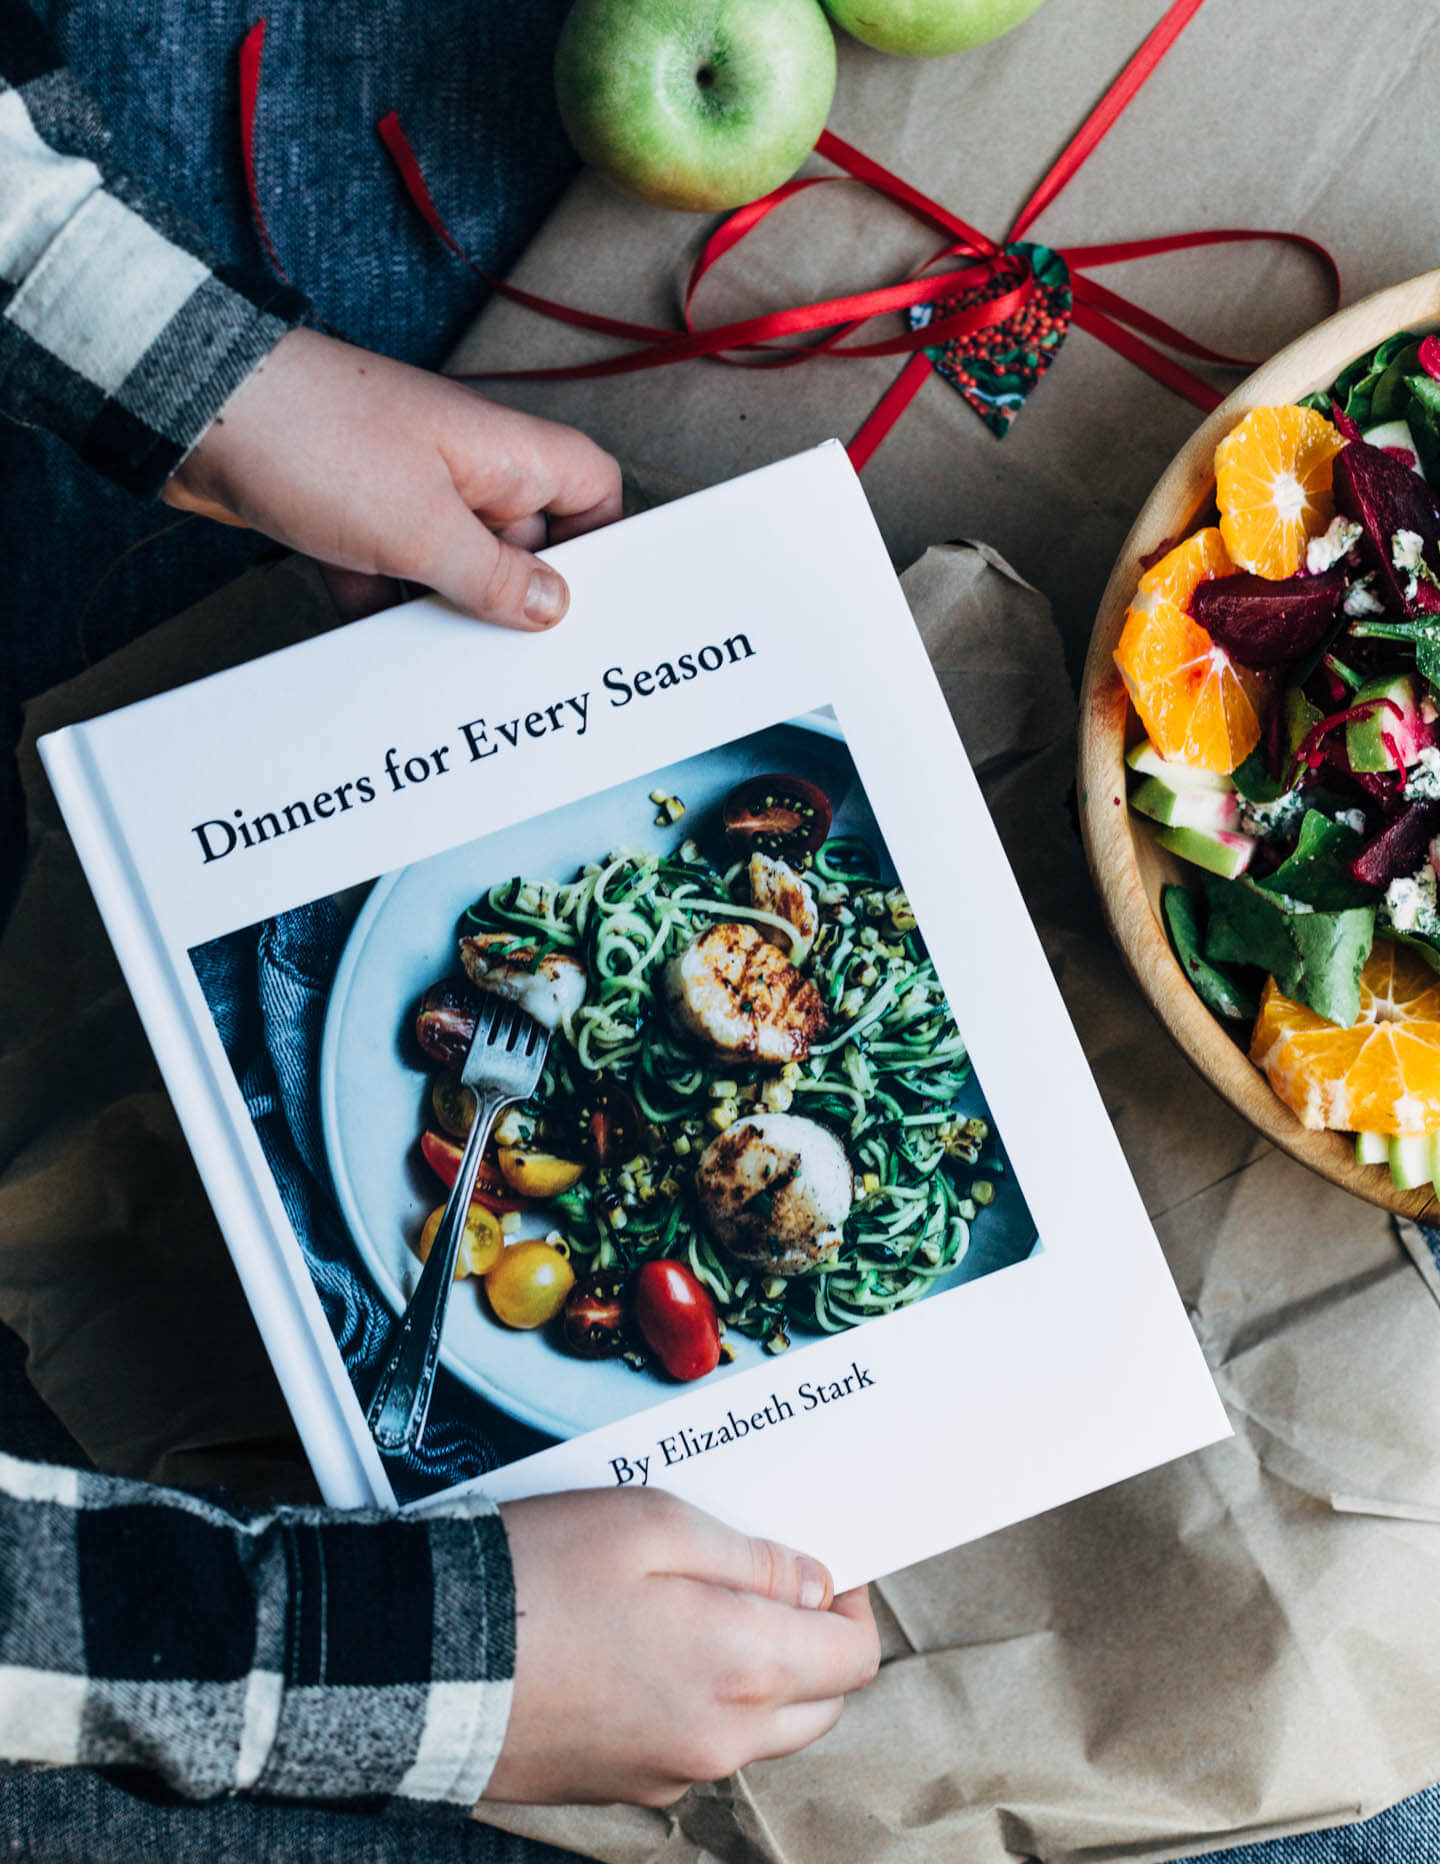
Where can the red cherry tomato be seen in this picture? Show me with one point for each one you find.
(778, 815)
(607, 1123)
(594, 1319)
(442, 1155)
(677, 1319)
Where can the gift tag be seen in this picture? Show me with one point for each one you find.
(996, 367)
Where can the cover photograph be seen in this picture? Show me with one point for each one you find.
(800, 1201)
(753, 1078)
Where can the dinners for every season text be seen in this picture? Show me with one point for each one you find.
(476, 740)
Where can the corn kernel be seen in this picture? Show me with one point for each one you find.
(777, 1096)
(870, 1183)
(721, 1116)
(982, 1191)
(724, 1090)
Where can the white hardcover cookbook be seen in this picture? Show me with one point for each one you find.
(815, 1216)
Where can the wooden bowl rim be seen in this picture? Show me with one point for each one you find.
(1311, 362)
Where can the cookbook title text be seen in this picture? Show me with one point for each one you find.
(476, 741)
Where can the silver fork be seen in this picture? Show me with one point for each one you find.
(506, 1056)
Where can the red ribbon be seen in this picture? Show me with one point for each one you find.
(767, 341)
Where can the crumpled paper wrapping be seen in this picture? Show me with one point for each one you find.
(1261, 116)
(1209, 1652)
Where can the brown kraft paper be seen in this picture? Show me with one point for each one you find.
(1211, 1651)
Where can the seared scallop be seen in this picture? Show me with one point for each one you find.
(734, 991)
(776, 888)
(775, 1190)
(549, 988)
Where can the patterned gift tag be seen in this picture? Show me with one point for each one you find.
(996, 368)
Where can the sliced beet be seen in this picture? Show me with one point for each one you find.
(1384, 497)
(1262, 623)
(1399, 849)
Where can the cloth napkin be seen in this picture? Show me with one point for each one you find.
(267, 987)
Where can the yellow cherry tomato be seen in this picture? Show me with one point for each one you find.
(454, 1106)
(529, 1284)
(538, 1174)
(480, 1246)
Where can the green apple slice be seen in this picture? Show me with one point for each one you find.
(1412, 1160)
(1372, 1148)
(1395, 434)
(1144, 758)
(1368, 741)
(1207, 809)
(1219, 851)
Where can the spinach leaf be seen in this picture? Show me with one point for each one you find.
(1333, 948)
(1253, 780)
(1216, 989)
(1318, 870)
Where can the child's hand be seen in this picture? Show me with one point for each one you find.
(656, 1647)
(376, 467)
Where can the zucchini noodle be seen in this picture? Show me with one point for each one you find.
(886, 1079)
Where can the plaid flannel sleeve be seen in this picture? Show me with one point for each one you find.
(305, 1653)
(119, 331)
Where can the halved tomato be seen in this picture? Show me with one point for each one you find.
(606, 1122)
(782, 816)
(538, 1174)
(442, 1155)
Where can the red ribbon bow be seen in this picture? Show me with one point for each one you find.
(766, 341)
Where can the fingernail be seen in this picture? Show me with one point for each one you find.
(547, 597)
(814, 1582)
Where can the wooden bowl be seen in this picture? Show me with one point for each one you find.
(1129, 868)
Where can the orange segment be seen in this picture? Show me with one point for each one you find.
(1382, 1075)
(1272, 484)
(1196, 704)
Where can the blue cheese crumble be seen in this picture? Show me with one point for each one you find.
(1271, 821)
(1422, 783)
(1324, 552)
(1361, 601)
(1409, 904)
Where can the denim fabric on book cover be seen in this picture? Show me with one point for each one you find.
(267, 987)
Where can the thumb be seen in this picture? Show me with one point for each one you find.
(491, 579)
(747, 1564)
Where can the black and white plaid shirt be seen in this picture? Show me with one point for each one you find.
(118, 330)
(301, 1653)
(304, 1653)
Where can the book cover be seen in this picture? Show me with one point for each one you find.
(813, 1214)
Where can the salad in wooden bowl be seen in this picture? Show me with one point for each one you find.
(1260, 748)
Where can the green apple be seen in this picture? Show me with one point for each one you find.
(927, 28)
(703, 104)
